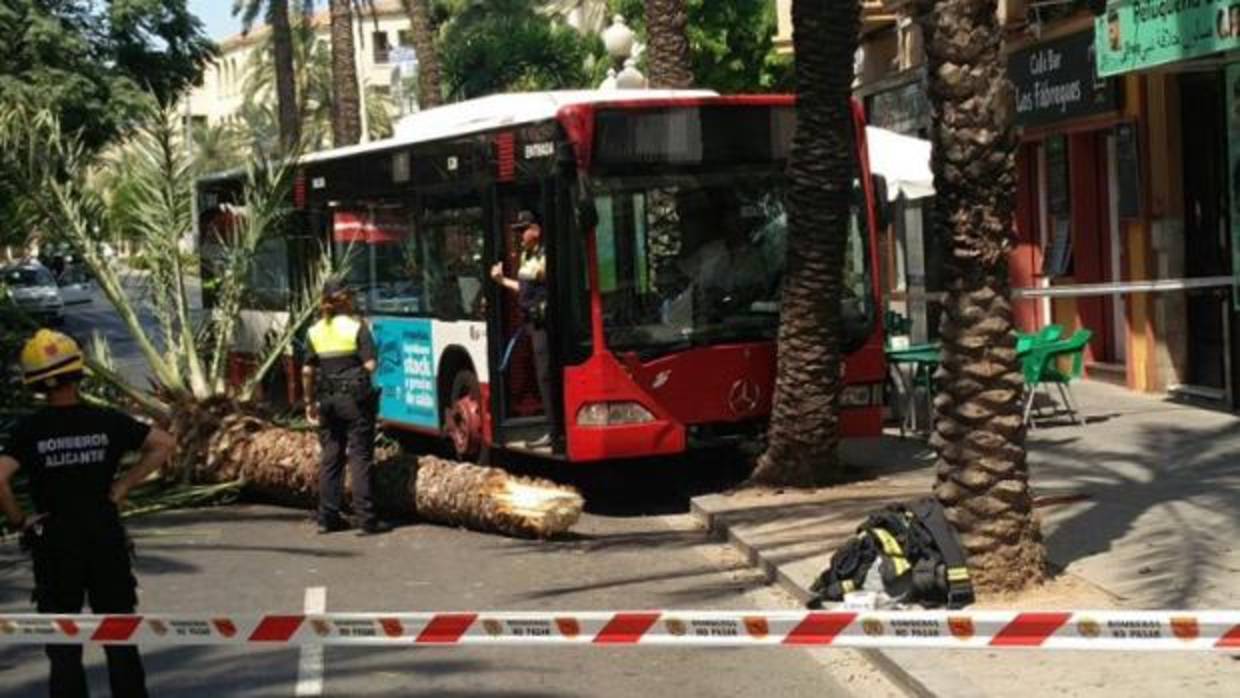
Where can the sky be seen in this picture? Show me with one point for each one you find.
(217, 16)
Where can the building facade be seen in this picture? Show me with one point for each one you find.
(381, 40)
(1128, 179)
(221, 93)
(1125, 212)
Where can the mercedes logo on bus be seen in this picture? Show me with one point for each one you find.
(744, 396)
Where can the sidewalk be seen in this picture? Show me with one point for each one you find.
(1142, 510)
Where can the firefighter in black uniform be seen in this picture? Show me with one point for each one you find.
(341, 399)
(70, 453)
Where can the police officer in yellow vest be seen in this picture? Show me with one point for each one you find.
(340, 397)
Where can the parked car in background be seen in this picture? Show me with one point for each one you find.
(77, 286)
(35, 291)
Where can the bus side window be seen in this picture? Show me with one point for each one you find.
(350, 253)
(452, 240)
(622, 244)
(398, 280)
(267, 283)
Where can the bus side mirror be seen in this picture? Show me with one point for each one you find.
(882, 207)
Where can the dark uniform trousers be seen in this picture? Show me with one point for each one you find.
(79, 560)
(347, 427)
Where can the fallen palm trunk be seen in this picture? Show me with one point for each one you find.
(489, 499)
(282, 466)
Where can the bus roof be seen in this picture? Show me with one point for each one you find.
(488, 114)
(495, 112)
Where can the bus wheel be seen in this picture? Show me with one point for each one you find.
(463, 417)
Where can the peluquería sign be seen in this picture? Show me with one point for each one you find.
(1136, 34)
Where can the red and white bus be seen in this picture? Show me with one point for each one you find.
(665, 231)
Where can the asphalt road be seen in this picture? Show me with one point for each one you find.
(84, 321)
(635, 550)
(262, 559)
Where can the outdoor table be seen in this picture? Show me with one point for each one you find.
(923, 360)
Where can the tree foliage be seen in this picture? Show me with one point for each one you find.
(94, 64)
(731, 44)
(186, 357)
(312, 64)
(259, 130)
(276, 15)
(497, 46)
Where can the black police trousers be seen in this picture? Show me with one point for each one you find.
(89, 560)
(346, 433)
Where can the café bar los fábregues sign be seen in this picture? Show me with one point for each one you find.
(1136, 34)
(1056, 81)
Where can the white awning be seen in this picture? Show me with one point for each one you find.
(904, 161)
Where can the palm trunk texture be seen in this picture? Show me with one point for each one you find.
(281, 466)
(804, 433)
(346, 102)
(286, 86)
(668, 59)
(489, 499)
(982, 472)
(430, 91)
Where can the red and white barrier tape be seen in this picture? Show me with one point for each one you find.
(1071, 630)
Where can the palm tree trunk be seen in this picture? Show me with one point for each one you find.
(804, 433)
(282, 466)
(286, 85)
(346, 102)
(668, 64)
(489, 499)
(430, 91)
(983, 477)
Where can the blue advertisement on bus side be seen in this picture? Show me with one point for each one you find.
(406, 371)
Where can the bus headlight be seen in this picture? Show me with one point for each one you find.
(606, 414)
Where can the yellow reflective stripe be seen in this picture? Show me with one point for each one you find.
(848, 586)
(335, 338)
(957, 574)
(892, 549)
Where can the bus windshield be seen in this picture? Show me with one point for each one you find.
(693, 260)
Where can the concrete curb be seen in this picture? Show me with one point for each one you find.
(897, 674)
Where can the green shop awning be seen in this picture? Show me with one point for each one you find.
(1137, 34)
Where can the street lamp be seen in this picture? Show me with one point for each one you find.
(618, 39)
(621, 45)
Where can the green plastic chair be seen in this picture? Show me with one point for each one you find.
(1041, 367)
(1026, 342)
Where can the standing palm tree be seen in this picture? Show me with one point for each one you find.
(216, 148)
(669, 64)
(804, 430)
(312, 70)
(286, 87)
(430, 90)
(346, 102)
(983, 477)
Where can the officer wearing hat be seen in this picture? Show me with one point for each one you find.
(341, 399)
(530, 289)
(71, 453)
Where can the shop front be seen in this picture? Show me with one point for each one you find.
(1072, 197)
(1189, 56)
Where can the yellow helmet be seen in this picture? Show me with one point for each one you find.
(48, 355)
